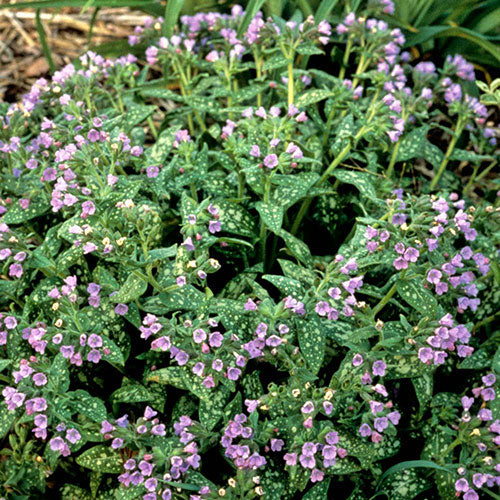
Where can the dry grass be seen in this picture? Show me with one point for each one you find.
(21, 57)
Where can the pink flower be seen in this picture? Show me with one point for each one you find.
(271, 161)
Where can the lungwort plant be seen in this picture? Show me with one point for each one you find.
(233, 269)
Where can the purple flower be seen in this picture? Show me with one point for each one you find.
(277, 444)
(378, 368)
(462, 485)
(434, 276)
(317, 475)
(381, 423)
(94, 356)
(214, 226)
(121, 309)
(357, 360)
(233, 373)
(270, 161)
(290, 459)
(365, 430)
(308, 462)
(394, 417)
(307, 407)
(425, 354)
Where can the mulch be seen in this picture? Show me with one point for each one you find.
(67, 29)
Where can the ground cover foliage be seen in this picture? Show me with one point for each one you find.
(233, 269)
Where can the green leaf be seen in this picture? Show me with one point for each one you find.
(405, 485)
(413, 292)
(312, 342)
(59, 373)
(87, 405)
(250, 11)
(101, 458)
(17, 215)
(427, 32)
(159, 151)
(271, 215)
(318, 491)
(479, 360)
(43, 42)
(236, 219)
(133, 288)
(73, 492)
(363, 181)
(134, 116)
(424, 390)
(276, 61)
(211, 410)
(496, 362)
(131, 393)
(163, 253)
(287, 286)
(324, 9)
(412, 144)
(343, 133)
(299, 273)
(7, 419)
(4, 363)
(312, 96)
(432, 154)
(297, 247)
(469, 156)
(308, 49)
(115, 355)
(173, 375)
(411, 464)
(292, 188)
(172, 13)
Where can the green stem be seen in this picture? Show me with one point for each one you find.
(262, 236)
(290, 83)
(394, 155)
(258, 69)
(335, 163)
(345, 60)
(184, 86)
(448, 449)
(387, 297)
(449, 151)
(471, 180)
(241, 184)
(486, 170)
(152, 127)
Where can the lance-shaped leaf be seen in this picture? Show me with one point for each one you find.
(271, 215)
(101, 458)
(413, 292)
(312, 342)
(318, 491)
(87, 405)
(363, 181)
(132, 289)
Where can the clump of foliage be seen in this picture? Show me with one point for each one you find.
(240, 271)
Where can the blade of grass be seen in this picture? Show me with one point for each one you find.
(429, 32)
(53, 4)
(43, 42)
(411, 464)
(172, 13)
(324, 9)
(92, 23)
(252, 9)
(304, 6)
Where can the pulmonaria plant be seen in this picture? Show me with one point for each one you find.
(259, 258)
